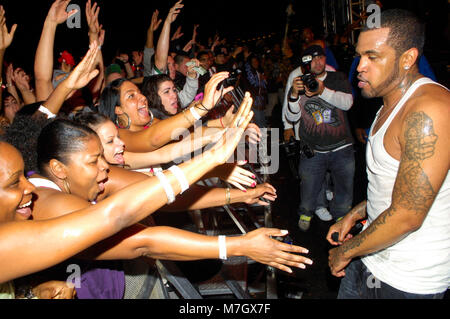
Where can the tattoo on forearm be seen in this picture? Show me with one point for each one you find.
(412, 189)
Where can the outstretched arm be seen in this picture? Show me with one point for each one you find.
(169, 243)
(162, 132)
(43, 63)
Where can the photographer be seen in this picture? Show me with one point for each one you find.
(317, 104)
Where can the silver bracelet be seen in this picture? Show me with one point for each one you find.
(167, 187)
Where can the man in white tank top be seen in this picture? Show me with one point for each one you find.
(404, 248)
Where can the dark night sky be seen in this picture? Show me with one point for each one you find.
(126, 22)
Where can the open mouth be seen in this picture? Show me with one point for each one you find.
(101, 184)
(143, 110)
(25, 210)
(118, 157)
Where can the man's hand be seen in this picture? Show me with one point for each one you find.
(337, 262)
(297, 87)
(319, 91)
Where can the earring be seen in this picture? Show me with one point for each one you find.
(128, 124)
(406, 67)
(151, 116)
(66, 186)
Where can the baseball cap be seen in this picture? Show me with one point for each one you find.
(314, 50)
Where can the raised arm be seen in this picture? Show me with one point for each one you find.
(424, 165)
(78, 78)
(96, 34)
(6, 39)
(43, 63)
(162, 48)
(154, 25)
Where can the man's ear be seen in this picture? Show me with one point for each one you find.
(58, 169)
(409, 58)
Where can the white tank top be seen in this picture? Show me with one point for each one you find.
(419, 263)
(46, 183)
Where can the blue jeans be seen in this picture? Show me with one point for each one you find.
(312, 171)
(359, 283)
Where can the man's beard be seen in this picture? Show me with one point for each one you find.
(376, 92)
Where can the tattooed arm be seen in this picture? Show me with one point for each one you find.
(424, 164)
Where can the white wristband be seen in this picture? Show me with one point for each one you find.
(195, 113)
(222, 248)
(167, 187)
(180, 177)
(46, 111)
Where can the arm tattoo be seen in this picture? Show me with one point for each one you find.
(413, 190)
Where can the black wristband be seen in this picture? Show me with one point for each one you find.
(293, 100)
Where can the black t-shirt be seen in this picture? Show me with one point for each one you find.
(323, 126)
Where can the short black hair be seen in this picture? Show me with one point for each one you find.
(406, 30)
(179, 58)
(58, 140)
(23, 134)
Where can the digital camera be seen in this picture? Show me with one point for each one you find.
(309, 79)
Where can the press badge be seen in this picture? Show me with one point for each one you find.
(318, 117)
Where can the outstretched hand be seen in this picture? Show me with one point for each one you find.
(92, 12)
(227, 144)
(155, 22)
(6, 37)
(211, 95)
(58, 14)
(174, 11)
(84, 71)
(262, 248)
(237, 176)
(265, 191)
